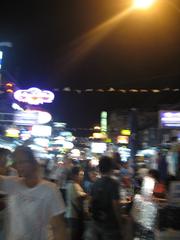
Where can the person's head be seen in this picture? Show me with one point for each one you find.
(76, 174)
(4, 157)
(154, 174)
(93, 175)
(68, 162)
(125, 164)
(25, 161)
(4, 154)
(105, 165)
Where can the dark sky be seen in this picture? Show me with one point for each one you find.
(49, 51)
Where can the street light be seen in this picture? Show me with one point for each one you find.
(143, 4)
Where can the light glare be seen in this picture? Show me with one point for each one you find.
(143, 4)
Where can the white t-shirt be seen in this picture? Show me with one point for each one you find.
(31, 209)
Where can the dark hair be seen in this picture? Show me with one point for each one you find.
(105, 164)
(155, 174)
(4, 152)
(30, 158)
(74, 171)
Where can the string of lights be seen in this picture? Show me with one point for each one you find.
(117, 90)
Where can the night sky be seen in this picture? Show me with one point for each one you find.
(50, 50)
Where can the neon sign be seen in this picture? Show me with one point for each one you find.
(34, 96)
(1, 57)
(169, 119)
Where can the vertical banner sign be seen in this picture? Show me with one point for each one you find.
(1, 56)
(104, 121)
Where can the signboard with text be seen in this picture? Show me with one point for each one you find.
(169, 119)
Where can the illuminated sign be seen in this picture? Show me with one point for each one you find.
(98, 147)
(34, 96)
(99, 135)
(12, 132)
(43, 142)
(1, 57)
(41, 131)
(169, 119)
(123, 139)
(59, 124)
(126, 132)
(125, 153)
(30, 117)
(103, 121)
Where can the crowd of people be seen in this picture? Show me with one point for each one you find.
(73, 201)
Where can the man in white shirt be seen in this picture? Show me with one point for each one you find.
(33, 203)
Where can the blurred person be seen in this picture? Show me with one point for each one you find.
(92, 177)
(162, 166)
(105, 208)
(61, 175)
(116, 158)
(124, 170)
(33, 203)
(5, 170)
(159, 187)
(142, 171)
(87, 167)
(75, 196)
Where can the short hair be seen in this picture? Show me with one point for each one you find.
(154, 173)
(105, 164)
(4, 152)
(28, 153)
(75, 170)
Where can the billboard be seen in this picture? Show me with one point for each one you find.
(169, 119)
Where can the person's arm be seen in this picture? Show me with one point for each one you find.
(59, 227)
(56, 212)
(79, 191)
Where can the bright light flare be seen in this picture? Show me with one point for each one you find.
(143, 4)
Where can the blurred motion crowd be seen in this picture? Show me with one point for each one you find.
(75, 200)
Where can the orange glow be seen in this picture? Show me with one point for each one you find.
(143, 4)
(9, 85)
(83, 45)
(9, 91)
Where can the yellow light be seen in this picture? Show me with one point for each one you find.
(9, 91)
(143, 4)
(9, 85)
(126, 132)
(97, 128)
